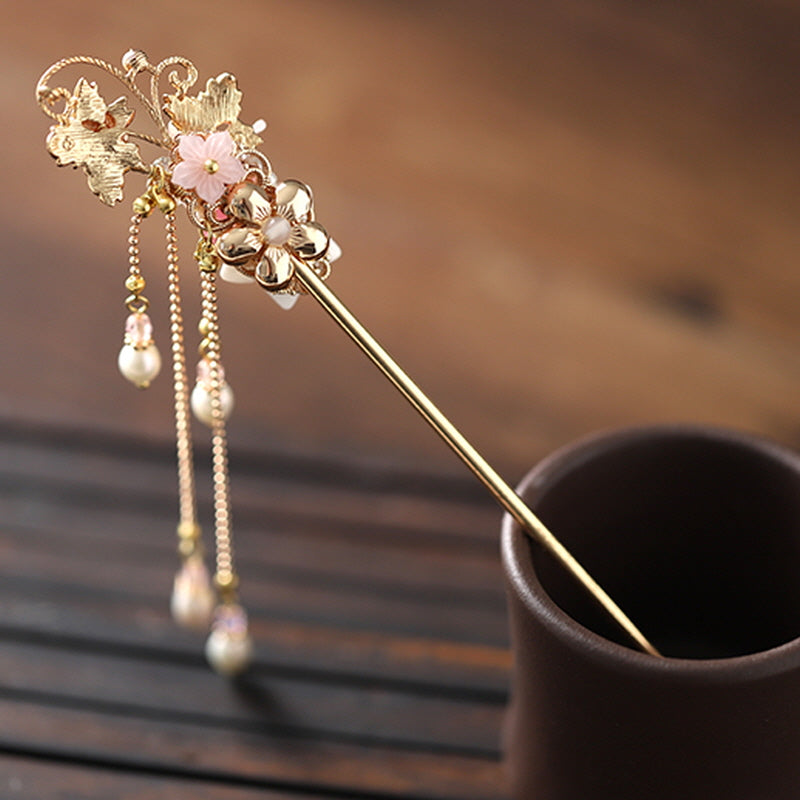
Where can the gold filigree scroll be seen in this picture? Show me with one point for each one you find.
(94, 136)
(216, 108)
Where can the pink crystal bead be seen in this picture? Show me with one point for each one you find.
(204, 373)
(230, 619)
(138, 330)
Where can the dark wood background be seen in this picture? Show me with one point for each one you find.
(559, 216)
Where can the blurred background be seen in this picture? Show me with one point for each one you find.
(558, 216)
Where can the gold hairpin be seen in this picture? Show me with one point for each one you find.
(253, 228)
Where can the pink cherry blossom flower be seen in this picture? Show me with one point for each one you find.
(207, 164)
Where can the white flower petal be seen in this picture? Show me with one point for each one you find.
(285, 301)
(334, 251)
(232, 275)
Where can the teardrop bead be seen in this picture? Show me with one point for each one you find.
(139, 365)
(193, 598)
(229, 648)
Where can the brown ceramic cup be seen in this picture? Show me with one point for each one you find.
(695, 533)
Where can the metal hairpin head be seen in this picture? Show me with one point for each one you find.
(252, 228)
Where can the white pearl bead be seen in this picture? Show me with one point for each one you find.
(201, 403)
(229, 653)
(193, 599)
(277, 231)
(139, 366)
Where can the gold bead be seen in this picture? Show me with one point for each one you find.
(204, 326)
(208, 263)
(134, 284)
(226, 584)
(134, 61)
(189, 530)
(226, 580)
(211, 166)
(200, 249)
(142, 205)
(165, 203)
(187, 547)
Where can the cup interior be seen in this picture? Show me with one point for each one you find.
(694, 533)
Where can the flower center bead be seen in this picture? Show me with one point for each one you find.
(277, 231)
(211, 166)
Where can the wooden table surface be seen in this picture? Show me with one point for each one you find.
(376, 604)
(560, 216)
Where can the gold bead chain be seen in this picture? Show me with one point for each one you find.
(225, 577)
(188, 529)
(135, 302)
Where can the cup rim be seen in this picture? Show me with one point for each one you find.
(523, 581)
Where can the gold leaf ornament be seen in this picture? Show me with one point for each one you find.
(219, 105)
(93, 136)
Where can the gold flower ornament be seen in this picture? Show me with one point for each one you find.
(275, 228)
(218, 106)
(255, 226)
(95, 138)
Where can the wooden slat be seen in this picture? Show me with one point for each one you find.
(379, 559)
(46, 610)
(263, 759)
(313, 706)
(108, 572)
(26, 778)
(301, 592)
(113, 479)
(415, 579)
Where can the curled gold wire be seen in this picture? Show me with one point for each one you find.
(48, 97)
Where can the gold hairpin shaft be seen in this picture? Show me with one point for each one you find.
(502, 492)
